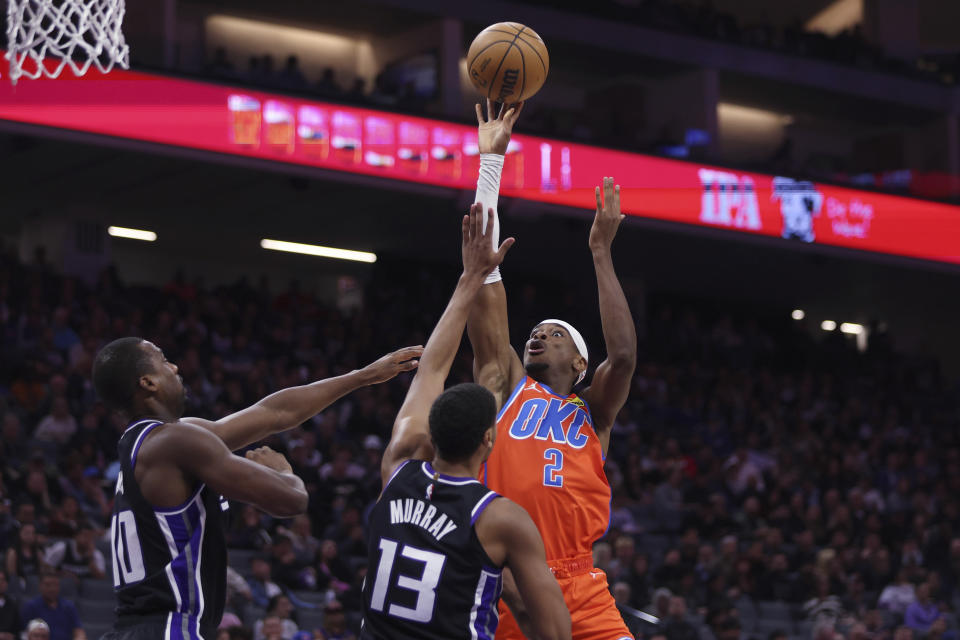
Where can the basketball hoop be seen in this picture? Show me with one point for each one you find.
(44, 36)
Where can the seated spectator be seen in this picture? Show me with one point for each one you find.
(78, 555)
(279, 608)
(903, 633)
(9, 612)
(67, 519)
(332, 571)
(59, 425)
(262, 586)
(290, 77)
(623, 553)
(824, 607)
(238, 591)
(898, 596)
(676, 626)
(270, 628)
(922, 612)
(287, 570)
(777, 582)
(25, 556)
(37, 490)
(59, 613)
(622, 598)
(327, 86)
(220, 66)
(247, 531)
(305, 545)
(668, 501)
(334, 623)
(357, 92)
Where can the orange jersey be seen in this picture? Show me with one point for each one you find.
(548, 459)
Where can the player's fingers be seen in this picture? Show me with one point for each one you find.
(474, 214)
(488, 229)
(616, 196)
(402, 355)
(504, 247)
(607, 189)
(516, 114)
(410, 365)
(596, 192)
(465, 228)
(479, 113)
(489, 110)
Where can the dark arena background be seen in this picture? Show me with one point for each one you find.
(787, 466)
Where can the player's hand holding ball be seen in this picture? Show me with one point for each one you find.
(493, 132)
(271, 459)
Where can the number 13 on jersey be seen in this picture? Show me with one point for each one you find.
(425, 586)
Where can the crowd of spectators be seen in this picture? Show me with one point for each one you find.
(261, 70)
(702, 19)
(765, 485)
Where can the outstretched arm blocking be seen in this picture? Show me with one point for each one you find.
(288, 408)
(611, 382)
(411, 431)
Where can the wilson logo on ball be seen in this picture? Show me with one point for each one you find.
(508, 62)
(510, 77)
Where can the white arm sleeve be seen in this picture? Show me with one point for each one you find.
(488, 190)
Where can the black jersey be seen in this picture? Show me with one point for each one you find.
(168, 564)
(428, 575)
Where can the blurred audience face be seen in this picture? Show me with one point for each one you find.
(334, 618)
(678, 608)
(272, 628)
(260, 569)
(50, 588)
(621, 593)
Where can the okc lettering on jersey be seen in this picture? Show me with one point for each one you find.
(556, 419)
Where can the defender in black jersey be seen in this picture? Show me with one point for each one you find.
(168, 543)
(440, 540)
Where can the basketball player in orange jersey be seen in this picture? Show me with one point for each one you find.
(551, 443)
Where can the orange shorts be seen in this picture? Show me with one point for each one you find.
(593, 613)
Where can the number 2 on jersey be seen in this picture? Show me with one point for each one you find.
(425, 586)
(551, 470)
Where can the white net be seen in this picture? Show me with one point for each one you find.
(44, 36)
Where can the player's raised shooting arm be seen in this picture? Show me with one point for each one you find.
(411, 433)
(267, 483)
(611, 382)
(288, 408)
(506, 531)
(496, 365)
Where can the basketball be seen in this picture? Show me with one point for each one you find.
(508, 62)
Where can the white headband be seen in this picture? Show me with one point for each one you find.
(577, 340)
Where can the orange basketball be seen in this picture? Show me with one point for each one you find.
(508, 62)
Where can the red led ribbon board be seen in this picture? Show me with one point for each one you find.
(285, 129)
